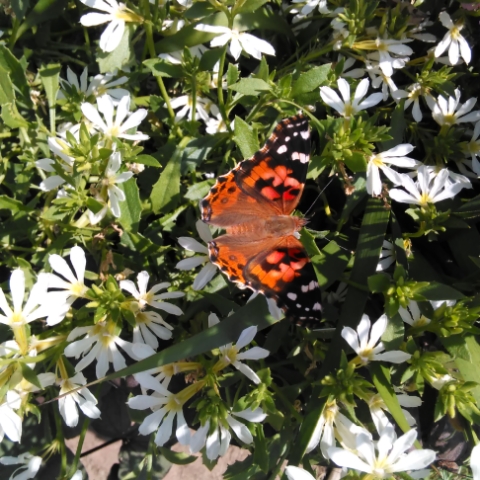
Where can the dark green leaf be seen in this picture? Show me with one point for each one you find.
(7, 93)
(30, 375)
(166, 192)
(162, 68)
(438, 291)
(177, 458)
(10, 64)
(250, 86)
(12, 117)
(121, 56)
(311, 79)
(147, 160)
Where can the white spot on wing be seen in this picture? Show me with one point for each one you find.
(317, 306)
(292, 296)
(282, 149)
(300, 156)
(305, 134)
(304, 288)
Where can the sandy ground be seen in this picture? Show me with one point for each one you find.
(98, 464)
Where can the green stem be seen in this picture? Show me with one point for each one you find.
(221, 101)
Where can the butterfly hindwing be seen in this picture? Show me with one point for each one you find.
(284, 272)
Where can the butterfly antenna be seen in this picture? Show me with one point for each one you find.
(318, 196)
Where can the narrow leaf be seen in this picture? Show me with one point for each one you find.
(166, 192)
(245, 138)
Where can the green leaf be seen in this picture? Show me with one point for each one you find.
(20, 7)
(438, 291)
(131, 208)
(469, 210)
(10, 64)
(379, 283)
(356, 162)
(250, 86)
(121, 57)
(162, 68)
(12, 205)
(198, 190)
(251, 6)
(227, 331)
(232, 74)
(398, 126)
(166, 192)
(147, 160)
(12, 117)
(246, 138)
(94, 205)
(383, 383)
(394, 333)
(50, 76)
(177, 458)
(30, 375)
(7, 93)
(310, 80)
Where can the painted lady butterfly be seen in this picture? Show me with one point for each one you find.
(253, 203)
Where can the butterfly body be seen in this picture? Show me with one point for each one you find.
(253, 203)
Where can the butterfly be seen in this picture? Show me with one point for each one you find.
(253, 203)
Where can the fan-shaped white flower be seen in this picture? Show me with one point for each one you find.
(385, 47)
(203, 107)
(453, 40)
(34, 307)
(115, 194)
(429, 188)
(151, 297)
(100, 343)
(116, 14)
(239, 41)
(10, 422)
(29, 465)
(472, 149)
(166, 406)
(366, 344)
(377, 407)
(389, 456)
(347, 107)
(380, 161)
(449, 111)
(119, 127)
(218, 441)
(412, 315)
(297, 473)
(208, 270)
(415, 91)
(230, 354)
(83, 397)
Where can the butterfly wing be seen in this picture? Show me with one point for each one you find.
(279, 269)
(278, 171)
(269, 183)
(284, 272)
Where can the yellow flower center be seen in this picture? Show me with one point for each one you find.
(377, 161)
(349, 110)
(455, 32)
(78, 289)
(473, 147)
(17, 319)
(174, 404)
(449, 119)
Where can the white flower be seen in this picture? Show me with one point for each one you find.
(364, 342)
(413, 316)
(337, 296)
(10, 422)
(216, 125)
(70, 289)
(85, 400)
(151, 297)
(115, 194)
(116, 15)
(239, 41)
(30, 465)
(354, 73)
(100, 342)
(389, 458)
(380, 79)
(78, 475)
(387, 256)
(218, 441)
(377, 405)
(96, 217)
(80, 85)
(453, 40)
(230, 354)
(347, 108)
(102, 84)
(429, 188)
(58, 147)
(333, 424)
(202, 107)
(208, 270)
(380, 161)
(176, 57)
(149, 326)
(311, 5)
(415, 91)
(115, 128)
(472, 149)
(444, 111)
(166, 406)
(386, 46)
(33, 309)
(475, 462)
(296, 473)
